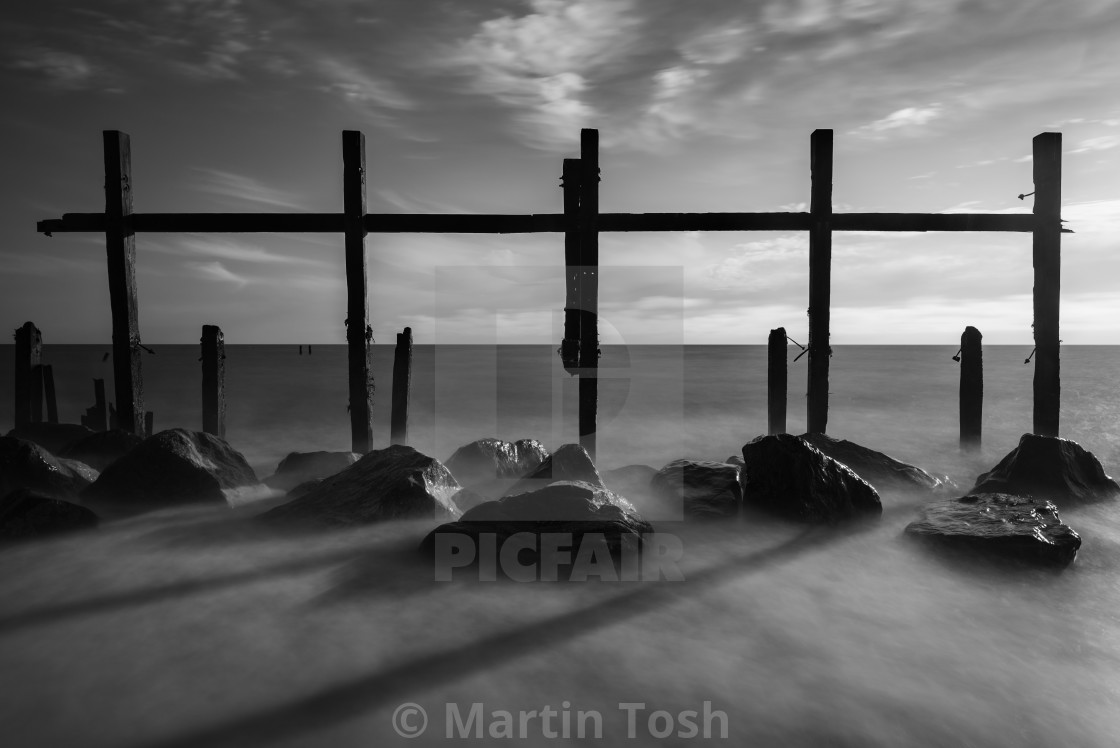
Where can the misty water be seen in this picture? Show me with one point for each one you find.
(198, 626)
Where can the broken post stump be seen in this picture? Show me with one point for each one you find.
(820, 279)
(49, 394)
(1047, 280)
(776, 381)
(402, 385)
(213, 381)
(359, 334)
(28, 357)
(96, 418)
(972, 388)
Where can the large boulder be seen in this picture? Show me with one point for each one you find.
(25, 514)
(880, 470)
(786, 475)
(568, 463)
(386, 484)
(1021, 527)
(24, 464)
(172, 467)
(100, 449)
(704, 490)
(482, 465)
(301, 467)
(53, 437)
(1051, 468)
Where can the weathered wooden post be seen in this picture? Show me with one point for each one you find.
(570, 343)
(37, 376)
(120, 246)
(1047, 280)
(972, 388)
(776, 381)
(820, 278)
(359, 334)
(97, 417)
(29, 357)
(589, 287)
(49, 393)
(213, 381)
(149, 422)
(402, 386)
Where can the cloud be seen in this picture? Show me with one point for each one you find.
(1101, 143)
(360, 88)
(244, 189)
(907, 121)
(218, 272)
(64, 70)
(238, 251)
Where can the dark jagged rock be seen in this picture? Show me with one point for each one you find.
(1051, 468)
(300, 467)
(568, 463)
(574, 507)
(705, 490)
(482, 464)
(172, 467)
(24, 464)
(788, 476)
(735, 460)
(53, 437)
(1021, 527)
(393, 483)
(100, 449)
(880, 470)
(25, 514)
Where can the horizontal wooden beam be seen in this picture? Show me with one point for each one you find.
(539, 222)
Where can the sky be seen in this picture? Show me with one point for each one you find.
(470, 106)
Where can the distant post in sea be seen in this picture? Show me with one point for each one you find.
(97, 417)
(402, 386)
(777, 385)
(213, 381)
(49, 394)
(1047, 280)
(972, 388)
(589, 288)
(820, 278)
(29, 360)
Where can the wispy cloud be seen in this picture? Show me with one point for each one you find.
(216, 271)
(243, 189)
(1101, 143)
(906, 121)
(61, 69)
(359, 87)
(226, 249)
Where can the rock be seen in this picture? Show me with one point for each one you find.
(881, 471)
(735, 460)
(1021, 527)
(788, 476)
(25, 514)
(53, 437)
(568, 463)
(393, 483)
(172, 467)
(570, 507)
(481, 464)
(630, 481)
(24, 464)
(100, 449)
(705, 490)
(300, 467)
(1051, 468)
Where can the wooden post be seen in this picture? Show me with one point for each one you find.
(589, 288)
(37, 393)
(213, 381)
(820, 278)
(1047, 280)
(120, 245)
(402, 385)
(776, 380)
(359, 334)
(569, 345)
(29, 356)
(149, 422)
(972, 388)
(96, 418)
(49, 392)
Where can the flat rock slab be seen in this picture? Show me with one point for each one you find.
(25, 464)
(880, 470)
(172, 467)
(1051, 468)
(704, 490)
(300, 467)
(479, 464)
(393, 483)
(568, 463)
(100, 449)
(786, 475)
(25, 515)
(1016, 526)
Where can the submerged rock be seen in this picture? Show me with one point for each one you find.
(172, 467)
(880, 470)
(1048, 467)
(1021, 527)
(53, 437)
(568, 463)
(629, 480)
(301, 467)
(25, 514)
(786, 475)
(393, 483)
(704, 490)
(483, 463)
(100, 449)
(24, 464)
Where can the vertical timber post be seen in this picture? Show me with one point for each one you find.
(589, 288)
(776, 381)
(28, 356)
(820, 279)
(359, 334)
(1047, 280)
(49, 393)
(120, 247)
(213, 381)
(972, 388)
(402, 386)
(96, 418)
(149, 422)
(570, 343)
(37, 393)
